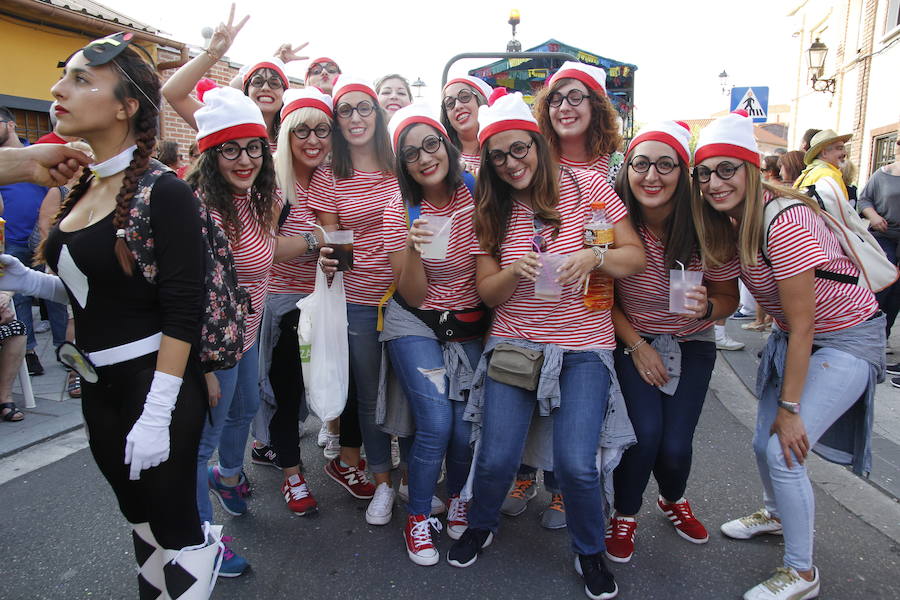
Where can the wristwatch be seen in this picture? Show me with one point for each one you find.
(791, 407)
(709, 311)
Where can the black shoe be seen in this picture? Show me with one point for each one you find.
(34, 364)
(599, 583)
(895, 381)
(893, 369)
(264, 455)
(466, 549)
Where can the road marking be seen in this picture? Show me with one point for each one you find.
(40, 455)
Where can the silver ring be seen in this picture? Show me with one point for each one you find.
(646, 372)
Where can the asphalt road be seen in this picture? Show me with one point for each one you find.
(62, 537)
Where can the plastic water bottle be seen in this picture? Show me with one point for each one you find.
(598, 232)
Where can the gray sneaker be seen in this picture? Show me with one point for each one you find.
(554, 516)
(517, 499)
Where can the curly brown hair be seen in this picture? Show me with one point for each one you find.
(603, 135)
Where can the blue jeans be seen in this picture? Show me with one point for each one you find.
(664, 426)
(440, 429)
(230, 427)
(57, 313)
(584, 388)
(835, 380)
(365, 372)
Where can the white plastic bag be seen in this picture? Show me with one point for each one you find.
(324, 352)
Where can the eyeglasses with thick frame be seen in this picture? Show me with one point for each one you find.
(573, 97)
(330, 68)
(463, 97)
(724, 171)
(430, 144)
(322, 131)
(664, 164)
(275, 82)
(517, 150)
(232, 150)
(364, 109)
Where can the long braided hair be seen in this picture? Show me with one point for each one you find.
(137, 80)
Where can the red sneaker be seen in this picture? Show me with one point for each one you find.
(620, 539)
(457, 517)
(419, 546)
(296, 494)
(353, 479)
(686, 524)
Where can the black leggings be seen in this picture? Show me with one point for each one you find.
(165, 495)
(286, 378)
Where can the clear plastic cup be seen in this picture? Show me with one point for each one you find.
(440, 229)
(341, 242)
(681, 282)
(546, 287)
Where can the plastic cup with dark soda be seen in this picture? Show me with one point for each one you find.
(341, 244)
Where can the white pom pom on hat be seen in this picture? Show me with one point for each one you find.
(506, 112)
(593, 77)
(675, 134)
(346, 84)
(272, 63)
(732, 136)
(308, 97)
(476, 82)
(409, 116)
(227, 114)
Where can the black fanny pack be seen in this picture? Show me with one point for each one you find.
(452, 325)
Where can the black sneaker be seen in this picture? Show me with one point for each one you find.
(264, 455)
(464, 551)
(893, 369)
(895, 381)
(34, 364)
(599, 583)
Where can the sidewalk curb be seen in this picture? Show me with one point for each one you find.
(859, 496)
(35, 442)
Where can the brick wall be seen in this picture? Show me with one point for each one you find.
(862, 92)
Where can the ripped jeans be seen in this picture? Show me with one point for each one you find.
(419, 364)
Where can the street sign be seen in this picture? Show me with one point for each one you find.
(754, 100)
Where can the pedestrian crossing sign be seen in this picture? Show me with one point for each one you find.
(754, 100)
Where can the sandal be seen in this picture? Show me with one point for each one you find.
(73, 385)
(12, 414)
(754, 326)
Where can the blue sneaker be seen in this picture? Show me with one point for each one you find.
(229, 497)
(741, 316)
(233, 565)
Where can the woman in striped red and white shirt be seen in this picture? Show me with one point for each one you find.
(352, 195)
(460, 100)
(435, 294)
(824, 356)
(305, 143)
(526, 202)
(579, 121)
(664, 360)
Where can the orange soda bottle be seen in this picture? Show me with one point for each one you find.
(598, 232)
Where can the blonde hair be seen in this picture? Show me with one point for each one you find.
(718, 235)
(284, 157)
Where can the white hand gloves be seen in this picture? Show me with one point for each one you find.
(16, 277)
(147, 444)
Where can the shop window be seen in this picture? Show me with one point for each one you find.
(31, 124)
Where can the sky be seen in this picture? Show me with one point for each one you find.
(679, 47)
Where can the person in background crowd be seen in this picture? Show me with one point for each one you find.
(435, 372)
(770, 171)
(824, 159)
(664, 361)
(193, 154)
(849, 173)
(790, 165)
(879, 202)
(322, 73)
(304, 145)
(168, 154)
(807, 138)
(393, 93)
(460, 101)
(352, 195)
(148, 406)
(12, 353)
(825, 353)
(525, 202)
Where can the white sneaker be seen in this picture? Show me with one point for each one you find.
(332, 446)
(457, 518)
(785, 584)
(747, 527)
(437, 505)
(381, 506)
(322, 438)
(726, 343)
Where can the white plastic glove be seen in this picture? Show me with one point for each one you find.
(147, 444)
(16, 277)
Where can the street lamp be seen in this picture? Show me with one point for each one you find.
(514, 45)
(723, 80)
(817, 53)
(418, 84)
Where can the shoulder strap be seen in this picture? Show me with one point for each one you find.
(469, 181)
(774, 209)
(283, 216)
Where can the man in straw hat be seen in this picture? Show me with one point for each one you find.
(825, 157)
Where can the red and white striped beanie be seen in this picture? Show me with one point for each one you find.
(345, 84)
(308, 97)
(593, 77)
(506, 112)
(272, 63)
(411, 115)
(227, 114)
(676, 134)
(480, 85)
(732, 136)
